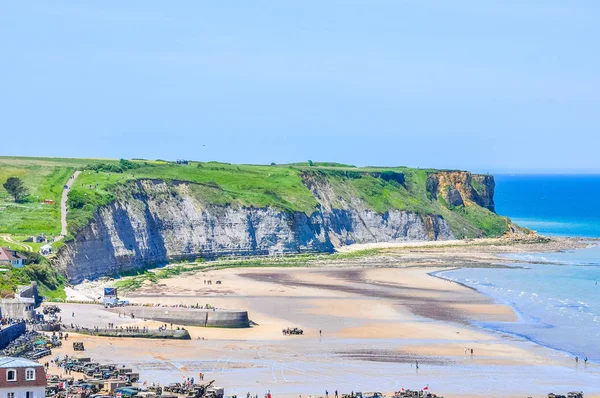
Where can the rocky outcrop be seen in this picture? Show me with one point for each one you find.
(160, 222)
(461, 187)
(484, 185)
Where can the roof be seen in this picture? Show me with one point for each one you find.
(7, 254)
(12, 362)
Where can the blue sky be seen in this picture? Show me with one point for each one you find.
(483, 85)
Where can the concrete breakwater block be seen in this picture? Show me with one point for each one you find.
(187, 316)
(150, 334)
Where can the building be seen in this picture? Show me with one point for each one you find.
(41, 238)
(21, 378)
(29, 292)
(23, 305)
(11, 257)
(18, 308)
(46, 250)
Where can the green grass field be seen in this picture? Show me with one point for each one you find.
(32, 216)
(279, 186)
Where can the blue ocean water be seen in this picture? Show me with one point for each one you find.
(551, 204)
(558, 303)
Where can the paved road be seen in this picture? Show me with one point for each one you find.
(63, 205)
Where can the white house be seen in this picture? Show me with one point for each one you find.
(21, 378)
(11, 257)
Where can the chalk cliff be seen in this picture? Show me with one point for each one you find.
(158, 221)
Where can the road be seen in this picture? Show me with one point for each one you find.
(63, 205)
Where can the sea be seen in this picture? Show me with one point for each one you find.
(556, 295)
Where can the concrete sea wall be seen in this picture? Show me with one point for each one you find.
(10, 333)
(188, 316)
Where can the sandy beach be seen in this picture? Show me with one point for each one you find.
(376, 323)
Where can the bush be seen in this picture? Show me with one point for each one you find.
(123, 165)
(76, 199)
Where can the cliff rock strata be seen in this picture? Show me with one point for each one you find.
(159, 222)
(460, 187)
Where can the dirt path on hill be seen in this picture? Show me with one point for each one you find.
(23, 245)
(63, 204)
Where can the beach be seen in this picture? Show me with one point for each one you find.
(365, 329)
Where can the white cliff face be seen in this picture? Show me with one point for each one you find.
(154, 226)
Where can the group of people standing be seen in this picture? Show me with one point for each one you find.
(584, 360)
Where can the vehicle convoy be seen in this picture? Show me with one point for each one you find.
(101, 380)
(293, 331)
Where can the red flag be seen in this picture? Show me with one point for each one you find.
(402, 388)
(426, 388)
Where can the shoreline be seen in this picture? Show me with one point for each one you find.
(514, 305)
(365, 255)
(378, 314)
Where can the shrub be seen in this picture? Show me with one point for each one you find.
(76, 199)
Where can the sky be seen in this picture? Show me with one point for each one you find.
(482, 85)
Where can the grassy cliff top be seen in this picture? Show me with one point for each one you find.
(280, 186)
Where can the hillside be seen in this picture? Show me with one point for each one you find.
(129, 214)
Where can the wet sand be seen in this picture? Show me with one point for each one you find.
(375, 322)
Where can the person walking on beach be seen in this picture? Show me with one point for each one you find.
(336, 394)
(576, 359)
(471, 351)
(326, 394)
(465, 350)
(417, 364)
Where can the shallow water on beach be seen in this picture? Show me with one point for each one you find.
(558, 304)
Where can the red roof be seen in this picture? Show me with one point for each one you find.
(7, 254)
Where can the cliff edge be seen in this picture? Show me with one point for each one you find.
(151, 221)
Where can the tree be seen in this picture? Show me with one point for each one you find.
(15, 187)
(310, 163)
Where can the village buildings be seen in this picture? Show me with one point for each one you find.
(11, 257)
(21, 378)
